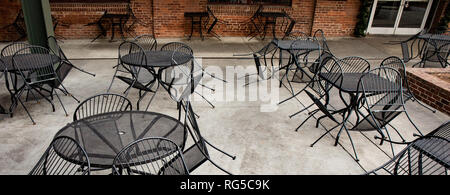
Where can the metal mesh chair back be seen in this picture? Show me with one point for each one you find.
(320, 60)
(397, 64)
(176, 46)
(442, 131)
(354, 64)
(135, 54)
(382, 91)
(12, 48)
(147, 42)
(102, 103)
(183, 80)
(36, 64)
(425, 156)
(433, 49)
(64, 156)
(319, 36)
(150, 156)
(330, 69)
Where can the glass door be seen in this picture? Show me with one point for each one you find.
(398, 16)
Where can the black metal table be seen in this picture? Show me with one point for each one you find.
(430, 48)
(103, 136)
(270, 18)
(159, 59)
(294, 47)
(193, 16)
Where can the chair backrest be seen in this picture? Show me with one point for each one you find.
(64, 156)
(354, 64)
(176, 46)
(12, 48)
(150, 156)
(135, 54)
(36, 64)
(102, 103)
(382, 94)
(428, 155)
(397, 64)
(320, 36)
(147, 42)
(330, 69)
(264, 56)
(65, 66)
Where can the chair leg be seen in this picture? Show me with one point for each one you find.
(229, 155)
(49, 101)
(292, 115)
(153, 96)
(26, 110)
(311, 114)
(62, 105)
(312, 145)
(212, 105)
(409, 118)
(351, 141)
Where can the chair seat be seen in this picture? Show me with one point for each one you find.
(136, 84)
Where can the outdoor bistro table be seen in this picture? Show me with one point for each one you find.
(435, 41)
(10, 68)
(103, 136)
(161, 59)
(293, 47)
(194, 15)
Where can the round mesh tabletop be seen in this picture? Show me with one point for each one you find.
(297, 44)
(24, 59)
(156, 58)
(103, 136)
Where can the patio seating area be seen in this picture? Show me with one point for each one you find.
(240, 106)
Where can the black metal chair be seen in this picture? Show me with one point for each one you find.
(64, 156)
(397, 63)
(36, 67)
(188, 78)
(135, 76)
(180, 50)
(264, 64)
(18, 26)
(287, 25)
(15, 78)
(442, 131)
(256, 25)
(382, 98)
(431, 50)
(102, 24)
(147, 42)
(211, 22)
(318, 90)
(427, 155)
(102, 103)
(319, 36)
(150, 156)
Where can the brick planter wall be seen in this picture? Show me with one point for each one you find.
(429, 88)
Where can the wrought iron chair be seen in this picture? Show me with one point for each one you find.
(64, 156)
(427, 155)
(65, 64)
(102, 103)
(134, 76)
(318, 89)
(147, 42)
(431, 50)
(396, 63)
(18, 25)
(256, 25)
(263, 59)
(211, 22)
(188, 79)
(287, 25)
(179, 52)
(382, 98)
(150, 156)
(101, 23)
(15, 78)
(36, 67)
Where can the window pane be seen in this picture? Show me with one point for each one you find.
(386, 13)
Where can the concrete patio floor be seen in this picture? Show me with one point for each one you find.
(264, 142)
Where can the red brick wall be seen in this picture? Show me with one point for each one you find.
(430, 89)
(8, 12)
(336, 18)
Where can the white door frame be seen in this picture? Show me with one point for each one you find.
(396, 30)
